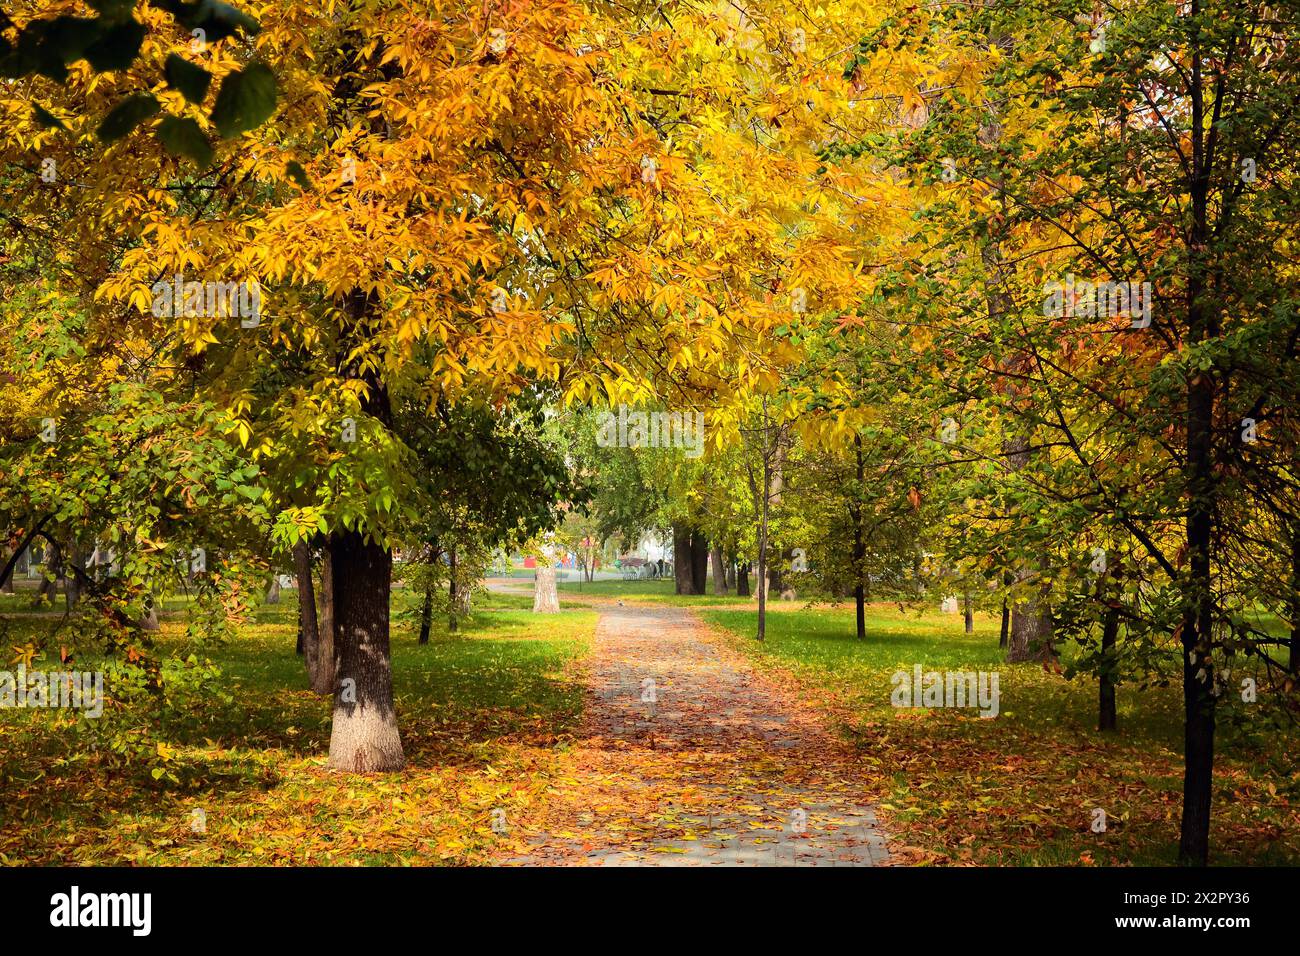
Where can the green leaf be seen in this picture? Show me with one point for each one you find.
(299, 175)
(126, 116)
(245, 101)
(46, 119)
(117, 47)
(191, 81)
(182, 136)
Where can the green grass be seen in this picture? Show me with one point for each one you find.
(482, 713)
(649, 591)
(1020, 788)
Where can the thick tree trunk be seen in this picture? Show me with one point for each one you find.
(719, 572)
(324, 671)
(1031, 632)
(149, 622)
(365, 738)
(699, 562)
(1106, 718)
(683, 572)
(546, 597)
(731, 573)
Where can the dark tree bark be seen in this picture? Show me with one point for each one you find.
(1295, 602)
(1106, 718)
(731, 573)
(308, 625)
(683, 572)
(426, 615)
(1006, 623)
(365, 737)
(742, 578)
(969, 613)
(699, 562)
(452, 596)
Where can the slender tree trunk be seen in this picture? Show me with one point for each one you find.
(1006, 622)
(546, 597)
(1295, 602)
(1198, 614)
(273, 590)
(719, 572)
(969, 611)
(762, 547)
(71, 580)
(426, 615)
(308, 625)
(1106, 718)
(8, 571)
(742, 578)
(365, 737)
(323, 674)
(731, 573)
(451, 590)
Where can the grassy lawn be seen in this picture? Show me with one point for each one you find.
(1021, 788)
(483, 714)
(649, 591)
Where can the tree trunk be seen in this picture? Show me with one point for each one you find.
(699, 563)
(149, 622)
(451, 590)
(71, 580)
(970, 614)
(1106, 719)
(1031, 632)
(730, 580)
(308, 626)
(326, 667)
(365, 737)
(1294, 647)
(683, 573)
(742, 578)
(273, 590)
(9, 571)
(546, 597)
(719, 572)
(426, 615)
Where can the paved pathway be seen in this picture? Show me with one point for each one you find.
(721, 768)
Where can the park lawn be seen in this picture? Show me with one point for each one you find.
(649, 591)
(1021, 788)
(484, 716)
